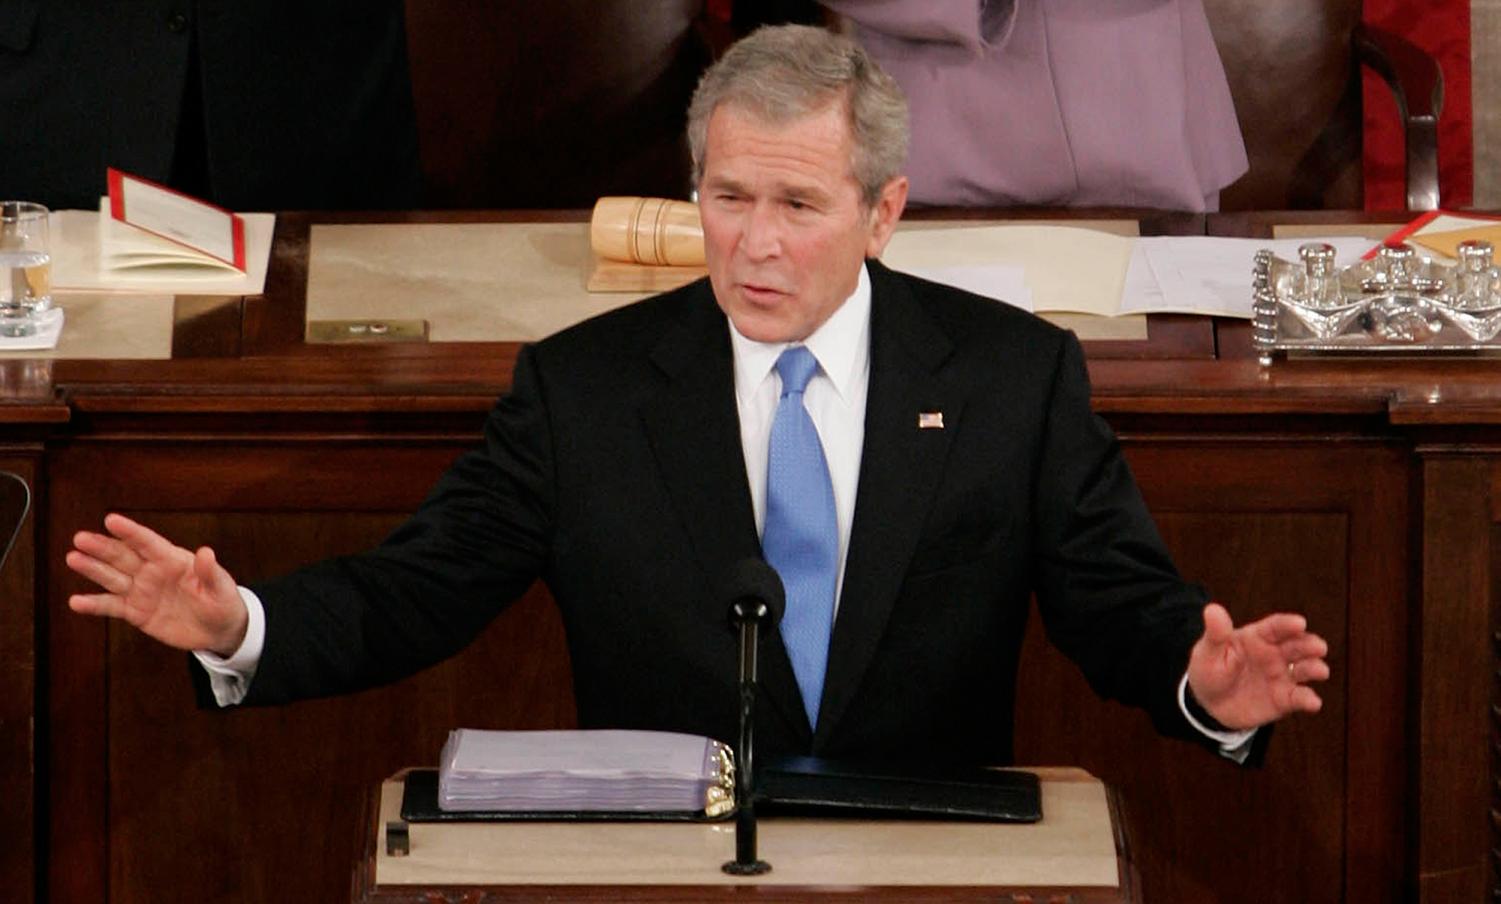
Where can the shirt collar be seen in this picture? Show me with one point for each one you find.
(841, 346)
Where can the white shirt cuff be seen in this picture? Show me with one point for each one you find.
(229, 677)
(1234, 745)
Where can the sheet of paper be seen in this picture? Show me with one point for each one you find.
(172, 215)
(1210, 275)
(77, 262)
(1003, 282)
(1066, 268)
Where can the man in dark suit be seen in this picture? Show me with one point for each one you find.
(955, 469)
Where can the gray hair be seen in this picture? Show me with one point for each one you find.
(785, 72)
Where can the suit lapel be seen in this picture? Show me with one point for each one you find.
(899, 472)
(694, 430)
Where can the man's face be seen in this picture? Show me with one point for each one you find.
(785, 232)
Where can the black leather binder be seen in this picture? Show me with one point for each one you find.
(809, 785)
(803, 786)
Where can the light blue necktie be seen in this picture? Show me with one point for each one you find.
(801, 538)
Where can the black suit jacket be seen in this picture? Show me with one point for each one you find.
(289, 104)
(614, 471)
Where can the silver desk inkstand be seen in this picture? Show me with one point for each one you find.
(1396, 302)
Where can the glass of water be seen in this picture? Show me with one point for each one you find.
(25, 268)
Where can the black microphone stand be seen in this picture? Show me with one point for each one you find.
(747, 614)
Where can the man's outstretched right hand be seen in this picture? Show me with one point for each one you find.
(183, 599)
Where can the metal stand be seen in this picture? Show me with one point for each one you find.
(748, 614)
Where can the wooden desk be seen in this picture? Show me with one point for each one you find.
(1074, 853)
(1364, 493)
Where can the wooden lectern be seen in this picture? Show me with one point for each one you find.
(1077, 853)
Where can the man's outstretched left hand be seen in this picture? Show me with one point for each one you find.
(1259, 672)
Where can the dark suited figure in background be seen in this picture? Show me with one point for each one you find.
(263, 105)
(636, 458)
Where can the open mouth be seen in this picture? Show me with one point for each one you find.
(762, 294)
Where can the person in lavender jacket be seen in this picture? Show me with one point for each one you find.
(1057, 102)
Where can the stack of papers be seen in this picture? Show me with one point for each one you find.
(1067, 269)
(581, 771)
(1207, 275)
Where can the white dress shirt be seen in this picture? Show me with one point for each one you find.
(835, 399)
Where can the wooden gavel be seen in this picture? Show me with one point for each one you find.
(653, 231)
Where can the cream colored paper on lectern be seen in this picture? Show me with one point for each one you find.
(501, 282)
(109, 326)
(1076, 271)
(472, 282)
(1074, 844)
(1068, 269)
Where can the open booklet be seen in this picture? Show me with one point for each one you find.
(145, 238)
(124, 248)
(147, 224)
(94, 253)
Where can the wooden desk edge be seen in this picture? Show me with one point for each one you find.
(363, 889)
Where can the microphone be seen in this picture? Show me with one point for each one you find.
(754, 591)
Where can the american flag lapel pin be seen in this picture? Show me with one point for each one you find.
(930, 420)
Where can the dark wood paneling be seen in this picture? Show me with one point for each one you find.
(1307, 528)
(1268, 523)
(18, 693)
(1493, 756)
(279, 777)
(516, 108)
(206, 326)
(258, 803)
(1452, 798)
